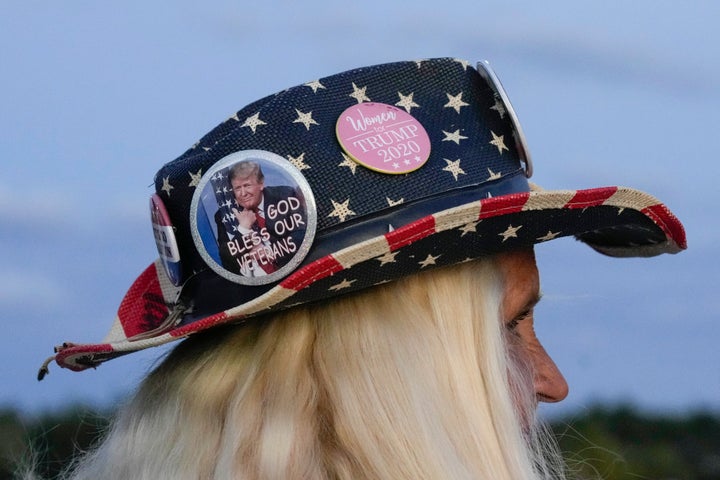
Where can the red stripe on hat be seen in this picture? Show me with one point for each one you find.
(318, 269)
(143, 308)
(494, 206)
(67, 357)
(410, 233)
(668, 222)
(591, 197)
(206, 322)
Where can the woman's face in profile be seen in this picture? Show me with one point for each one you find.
(521, 294)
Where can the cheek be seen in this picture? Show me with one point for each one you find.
(521, 380)
(518, 349)
(526, 348)
(522, 341)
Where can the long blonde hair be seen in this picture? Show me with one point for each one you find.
(406, 380)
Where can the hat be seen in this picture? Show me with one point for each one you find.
(347, 182)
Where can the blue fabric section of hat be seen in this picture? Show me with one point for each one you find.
(432, 83)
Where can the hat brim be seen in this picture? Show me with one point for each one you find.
(615, 221)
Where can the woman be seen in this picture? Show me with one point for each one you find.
(374, 385)
(359, 358)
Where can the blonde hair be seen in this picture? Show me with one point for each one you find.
(406, 380)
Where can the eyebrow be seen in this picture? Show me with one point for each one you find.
(532, 302)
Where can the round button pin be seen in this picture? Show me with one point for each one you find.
(253, 217)
(165, 241)
(383, 138)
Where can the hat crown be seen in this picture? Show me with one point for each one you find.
(472, 142)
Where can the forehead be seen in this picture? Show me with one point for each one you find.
(521, 279)
(244, 180)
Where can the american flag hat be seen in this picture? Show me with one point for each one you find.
(364, 177)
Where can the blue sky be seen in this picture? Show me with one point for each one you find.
(96, 96)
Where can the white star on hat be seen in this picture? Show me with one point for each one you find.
(469, 228)
(195, 178)
(389, 257)
(348, 162)
(493, 175)
(548, 236)
(454, 168)
(455, 101)
(462, 62)
(305, 118)
(315, 85)
(253, 121)
(429, 260)
(341, 210)
(499, 107)
(299, 161)
(511, 232)
(407, 102)
(342, 285)
(499, 142)
(453, 137)
(359, 94)
(166, 187)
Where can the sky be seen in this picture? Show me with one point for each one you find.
(96, 96)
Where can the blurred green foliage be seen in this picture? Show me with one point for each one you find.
(47, 442)
(611, 443)
(621, 442)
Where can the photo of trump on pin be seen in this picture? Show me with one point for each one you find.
(252, 217)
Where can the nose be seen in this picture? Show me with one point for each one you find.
(550, 385)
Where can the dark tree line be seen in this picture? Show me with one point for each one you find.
(49, 442)
(603, 442)
(623, 443)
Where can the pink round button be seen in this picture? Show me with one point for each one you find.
(383, 138)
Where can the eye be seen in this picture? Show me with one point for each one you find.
(512, 324)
